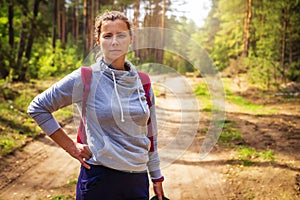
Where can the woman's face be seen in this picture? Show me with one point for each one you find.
(114, 40)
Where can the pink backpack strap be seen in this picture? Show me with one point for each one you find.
(86, 76)
(147, 85)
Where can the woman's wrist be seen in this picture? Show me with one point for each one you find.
(161, 179)
(63, 140)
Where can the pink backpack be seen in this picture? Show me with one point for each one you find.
(86, 76)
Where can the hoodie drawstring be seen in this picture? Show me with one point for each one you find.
(119, 101)
(118, 97)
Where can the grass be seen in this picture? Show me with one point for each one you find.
(7, 143)
(62, 197)
(72, 182)
(232, 138)
(202, 91)
(245, 105)
(248, 155)
(229, 136)
(16, 127)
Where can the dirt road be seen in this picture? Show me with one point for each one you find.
(40, 171)
(44, 171)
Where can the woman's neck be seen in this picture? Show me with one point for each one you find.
(118, 64)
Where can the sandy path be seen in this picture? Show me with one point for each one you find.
(187, 176)
(42, 170)
(38, 171)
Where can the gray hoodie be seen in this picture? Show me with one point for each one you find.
(116, 116)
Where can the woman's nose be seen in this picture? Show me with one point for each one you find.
(115, 40)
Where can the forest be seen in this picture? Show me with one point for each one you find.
(251, 47)
(259, 39)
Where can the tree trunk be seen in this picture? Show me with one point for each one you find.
(58, 18)
(160, 53)
(86, 25)
(63, 22)
(283, 43)
(20, 71)
(33, 28)
(54, 25)
(10, 51)
(4, 72)
(23, 35)
(73, 19)
(247, 27)
(136, 25)
(10, 23)
(91, 23)
(75, 23)
(157, 16)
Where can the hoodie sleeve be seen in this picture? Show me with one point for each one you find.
(63, 93)
(154, 161)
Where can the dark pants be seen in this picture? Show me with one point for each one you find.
(101, 182)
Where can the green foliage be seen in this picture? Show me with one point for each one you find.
(261, 71)
(202, 91)
(229, 136)
(244, 104)
(274, 37)
(7, 144)
(62, 197)
(132, 58)
(205, 100)
(72, 182)
(228, 40)
(155, 69)
(273, 51)
(63, 114)
(16, 127)
(47, 61)
(267, 155)
(248, 155)
(176, 41)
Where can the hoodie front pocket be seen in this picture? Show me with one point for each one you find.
(106, 144)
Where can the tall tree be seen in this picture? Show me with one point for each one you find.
(33, 29)
(228, 41)
(293, 42)
(10, 23)
(247, 22)
(58, 12)
(283, 42)
(63, 33)
(54, 25)
(86, 25)
(20, 69)
(136, 23)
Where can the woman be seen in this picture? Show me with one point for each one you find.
(116, 156)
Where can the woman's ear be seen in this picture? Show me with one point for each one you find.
(98, 42)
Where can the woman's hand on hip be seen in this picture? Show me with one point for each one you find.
(81, 152)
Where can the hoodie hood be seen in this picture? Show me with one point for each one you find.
(123, 79)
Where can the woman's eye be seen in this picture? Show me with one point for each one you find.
(121, 36)
(107, 36)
